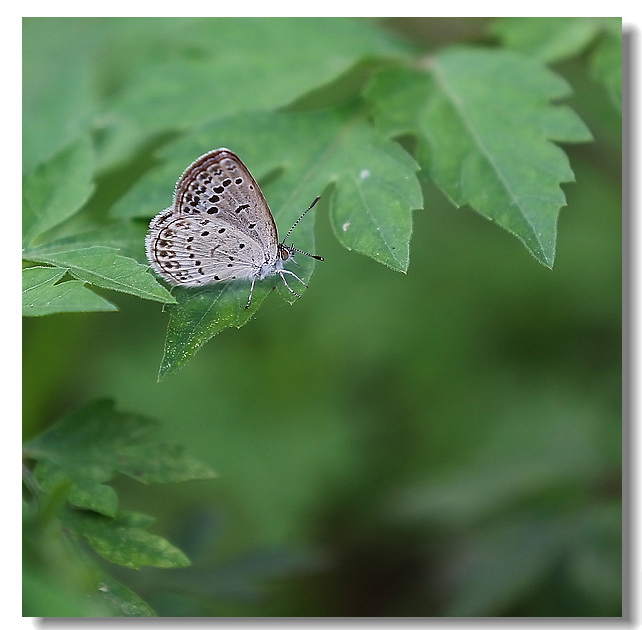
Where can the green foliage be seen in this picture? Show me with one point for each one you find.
(57, 189)
(91, 445)
(373, 191)
(74, 460)
(483, 121)
(487, 118)
(607, 66)
(391, 379)
(553, 39)
(548, 38)
(53, 193)
(59, 580)
(42, 296)
(124, 541)
(102, 267)
(374, 181)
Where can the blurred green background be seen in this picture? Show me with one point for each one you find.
(446, 442)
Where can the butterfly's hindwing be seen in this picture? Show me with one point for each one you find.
(193, 251)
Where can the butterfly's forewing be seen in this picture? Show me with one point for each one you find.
(218, 228)
(218, 185)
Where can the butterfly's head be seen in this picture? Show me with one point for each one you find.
(287, 251)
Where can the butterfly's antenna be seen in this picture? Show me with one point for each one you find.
(297, 221)
(296, 249)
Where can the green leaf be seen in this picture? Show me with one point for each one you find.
(373, 192)
(36, 277)
(130, 79)
(59, 81)
(269, 63)
(202, 313)
(85, 447)
(89, 446)
(607, 66)
(119, 542)
(86, 478)
(103, 267)
(552, 39)
(126, 236)
(547, 38)
(161, 463)
(490, 125)
(122, 601)
(63, 591)
(42, 296)
(57, 189)
(376, 191)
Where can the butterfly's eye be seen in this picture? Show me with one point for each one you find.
(285, 254)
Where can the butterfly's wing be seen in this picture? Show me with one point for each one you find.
(218, 186)
(200, 249)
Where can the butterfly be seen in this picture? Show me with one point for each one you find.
(219, 228)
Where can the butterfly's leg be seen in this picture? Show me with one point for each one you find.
(249, 299)
(286, 284)
(293, 274)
